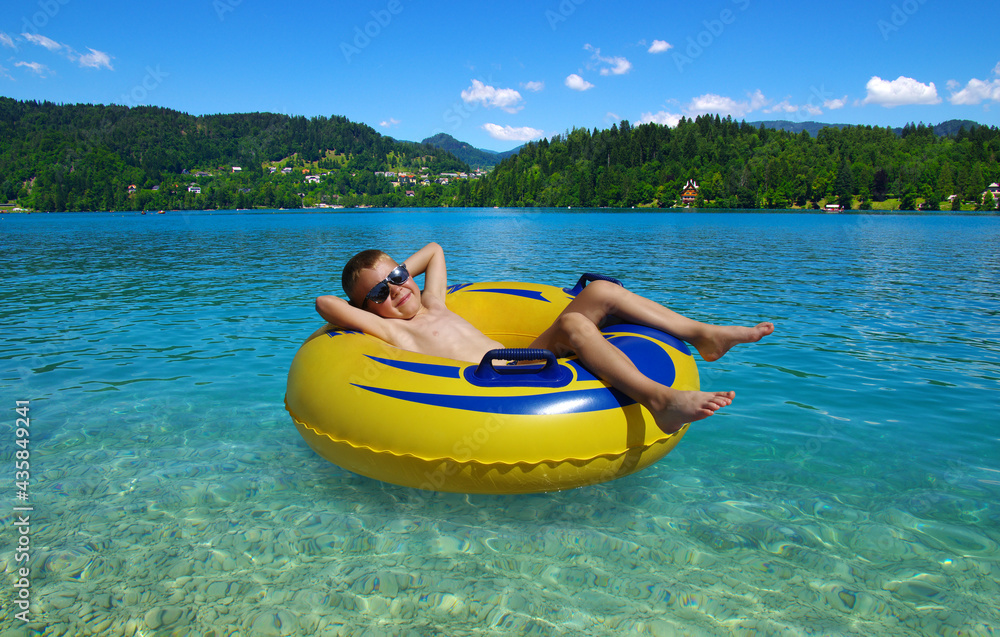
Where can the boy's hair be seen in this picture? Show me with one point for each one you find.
(364, 260)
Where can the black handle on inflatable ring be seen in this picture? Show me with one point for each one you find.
(586, 278)
(486, 371)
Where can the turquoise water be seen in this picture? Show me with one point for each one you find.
(853, 488)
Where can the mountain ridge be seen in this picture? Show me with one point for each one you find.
(944, 129)
(475, 157)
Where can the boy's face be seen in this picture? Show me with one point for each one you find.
(403, 301)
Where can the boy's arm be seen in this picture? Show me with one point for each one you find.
(339, 312)
(429, 261)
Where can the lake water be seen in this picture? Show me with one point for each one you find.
(853, 488)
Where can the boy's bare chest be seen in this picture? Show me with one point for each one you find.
(441, 332)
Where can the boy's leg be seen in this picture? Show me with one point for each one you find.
(577, 330)
(602, 299)
(671, 408)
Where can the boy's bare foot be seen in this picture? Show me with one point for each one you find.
(719, 339)
(688, 406)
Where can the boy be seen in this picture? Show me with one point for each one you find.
(385, 302)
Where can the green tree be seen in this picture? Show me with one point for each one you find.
(945, 181)
(989, 203)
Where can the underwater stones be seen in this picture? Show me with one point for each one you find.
(272, 623)
(130, 627)
(917, 590)
(383, 582)
(101, 626)
(101, 600)
(447, 604)
(62, 599)
(219, 590)
(180, 569)
(448, 544)
(403, 608)
(163, 616)
(309, 623)
(691, 605)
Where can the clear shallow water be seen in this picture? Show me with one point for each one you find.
(852, 488)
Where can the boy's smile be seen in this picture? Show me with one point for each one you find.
(403, 300)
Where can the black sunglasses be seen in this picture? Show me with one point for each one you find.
(380, 292)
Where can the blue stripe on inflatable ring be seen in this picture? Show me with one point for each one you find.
(425, 369)
(568, 402)
(534, 295)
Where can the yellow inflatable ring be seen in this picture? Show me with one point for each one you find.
(445, 425)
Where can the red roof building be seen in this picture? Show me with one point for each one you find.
(690, 192)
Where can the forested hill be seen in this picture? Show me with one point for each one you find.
(475, 157)
(86, 157)
(741, 166)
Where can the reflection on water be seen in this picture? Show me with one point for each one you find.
(852, 488)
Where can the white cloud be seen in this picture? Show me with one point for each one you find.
(660, 46)
(834, 104)
(387, 123)
(95, 59)
(712, 103)
(977, 91)
(784, 106)
(35, 67)
(577, 83)
(41, 40)
(663, 117)
(723, 105)
(533, 86)
(7, 41)
(618, 64)
(503, 98)
(512, 134)
(899, 92)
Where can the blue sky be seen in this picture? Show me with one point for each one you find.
(498, 74)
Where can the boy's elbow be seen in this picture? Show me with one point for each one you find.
(325, 306)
